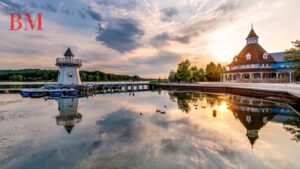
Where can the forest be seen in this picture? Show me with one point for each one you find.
(34, 75)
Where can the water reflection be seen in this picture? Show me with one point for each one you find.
(190, 130)
(68, 113)
(253, 113)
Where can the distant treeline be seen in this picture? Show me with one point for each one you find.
(34, 75)
(187, 73)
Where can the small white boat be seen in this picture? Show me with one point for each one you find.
(35, 93)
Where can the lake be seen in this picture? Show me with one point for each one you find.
(148, 130)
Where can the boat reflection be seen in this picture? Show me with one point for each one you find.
(68, 113)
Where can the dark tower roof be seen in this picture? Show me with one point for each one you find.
(69, 53)
(69, 128)
(252, 34)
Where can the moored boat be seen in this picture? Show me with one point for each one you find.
(35, 93)
(55, 92)
(70, 92)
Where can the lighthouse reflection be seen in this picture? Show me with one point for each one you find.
(68, 113)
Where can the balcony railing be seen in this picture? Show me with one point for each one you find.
(68, 62)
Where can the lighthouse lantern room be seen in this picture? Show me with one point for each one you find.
(68, 69)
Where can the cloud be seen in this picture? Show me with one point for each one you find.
(164, 38)
(162, 58)
(94, 15)
(168, 13)
(122, 35)
(8, 6)
(21, 51)
(50, 7)
(124, 4)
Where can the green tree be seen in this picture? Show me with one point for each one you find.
(197, 74)
(172, 76)
(183, 72)
(293, 55)
(12, 78)
(19, 78)
(90, 78)
(214, 72)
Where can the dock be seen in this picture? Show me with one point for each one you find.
(90, 88)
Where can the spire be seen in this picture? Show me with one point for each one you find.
(69, 53)
(252, 36)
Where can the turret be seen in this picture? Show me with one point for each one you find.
(68, 69)
(252, 37)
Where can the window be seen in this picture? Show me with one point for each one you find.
(248, 56)
(265, 56)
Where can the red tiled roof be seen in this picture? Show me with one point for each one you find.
(256, 52)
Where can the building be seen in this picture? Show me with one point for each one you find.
(68, 69)
(255, 64)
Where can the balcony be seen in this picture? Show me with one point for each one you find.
(68, 62)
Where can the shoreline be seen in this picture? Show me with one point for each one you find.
(269, 91)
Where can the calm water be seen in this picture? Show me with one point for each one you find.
(122, 131)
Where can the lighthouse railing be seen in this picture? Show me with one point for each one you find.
(68, 61)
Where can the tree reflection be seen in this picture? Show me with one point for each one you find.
(293, 126)
(184, 99)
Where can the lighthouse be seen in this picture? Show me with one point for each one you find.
(68, 69)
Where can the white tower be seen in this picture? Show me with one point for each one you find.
(68, 69)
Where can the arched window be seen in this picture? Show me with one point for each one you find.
(248, 56)
(265, 56)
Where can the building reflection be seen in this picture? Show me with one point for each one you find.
(68, 113)
(254, 113)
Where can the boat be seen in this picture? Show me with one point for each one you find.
(34, 93)
(55, 92)
(70, 92)
(25, 92)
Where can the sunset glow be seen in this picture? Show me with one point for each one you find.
(157, 34)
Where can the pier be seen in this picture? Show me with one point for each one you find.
(89, 88)
(113, 87)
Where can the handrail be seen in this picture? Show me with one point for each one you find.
(68, 61)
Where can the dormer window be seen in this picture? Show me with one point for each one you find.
(248, 56)
(265, 56)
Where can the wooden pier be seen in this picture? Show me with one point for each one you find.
(113, 87)
(90, 88)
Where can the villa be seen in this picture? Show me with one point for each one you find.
(255, 64)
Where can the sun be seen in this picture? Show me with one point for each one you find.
(223, 106)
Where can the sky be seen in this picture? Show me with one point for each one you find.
(144, 37)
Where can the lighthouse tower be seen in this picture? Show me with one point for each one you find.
(68, 69)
